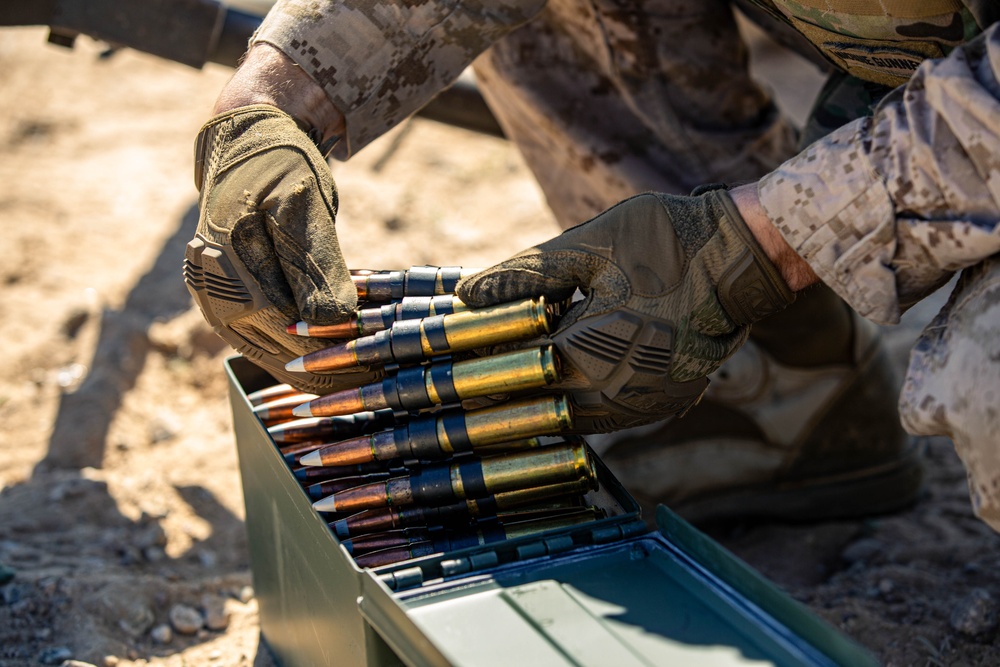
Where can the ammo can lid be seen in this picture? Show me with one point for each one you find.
(672, 597)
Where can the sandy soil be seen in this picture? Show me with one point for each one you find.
(120, 498)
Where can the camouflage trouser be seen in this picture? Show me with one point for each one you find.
(606, 99)
(953, 382)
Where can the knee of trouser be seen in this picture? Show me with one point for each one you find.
(952, 385)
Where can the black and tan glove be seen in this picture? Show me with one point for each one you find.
(671, 286)
(265, 254)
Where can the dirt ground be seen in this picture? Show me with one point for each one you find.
(121, 509)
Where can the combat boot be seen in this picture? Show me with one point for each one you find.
(781, 440)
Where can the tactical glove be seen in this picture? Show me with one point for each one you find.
(266, 254)
(671, 286)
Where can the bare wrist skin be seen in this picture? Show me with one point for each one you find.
(268, 76)
(795, 270)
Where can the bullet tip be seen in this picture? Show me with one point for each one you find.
(302, 410)
(311, 459)
(296, 365)
(328, 504)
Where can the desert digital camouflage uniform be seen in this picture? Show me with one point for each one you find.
(894, 193)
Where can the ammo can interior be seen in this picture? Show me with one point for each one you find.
(604, 592)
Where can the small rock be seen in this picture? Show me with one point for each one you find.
(862, 550)
(10, 595)
(165, 427)
(885, 586)
(132, 654)
(111, 661)
(154, 554)
(130, 555)
(77, 663)
(76, 319)
(245, 594)
(149, 534)
(214, 609)
(134, 617)
(162, 634)
(207, 558)
(185, 620)
(42, 634)
(975, 614)
(55, 656)
(215, 655)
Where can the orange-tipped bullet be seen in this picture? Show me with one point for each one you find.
(409, 341)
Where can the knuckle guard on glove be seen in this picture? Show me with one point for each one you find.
(266, 253)
(671, 286)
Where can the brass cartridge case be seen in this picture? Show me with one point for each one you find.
(511, 472)
(409, 341)
(522, 418)
(443, 382)
(434, 436)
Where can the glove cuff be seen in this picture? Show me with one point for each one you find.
(752, 287)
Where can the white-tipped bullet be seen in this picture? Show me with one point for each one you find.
(311, 459)
(328, 504)
(302, 410)
(296, 366)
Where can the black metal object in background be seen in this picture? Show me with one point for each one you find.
(195, 32)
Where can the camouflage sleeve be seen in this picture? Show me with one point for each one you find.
(886, 208)
(379, 60)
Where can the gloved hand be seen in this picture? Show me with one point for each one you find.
(266, 253)
(671, 286)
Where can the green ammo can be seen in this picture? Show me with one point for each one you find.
(607, 593)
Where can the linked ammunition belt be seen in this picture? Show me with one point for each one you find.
(421, 462)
